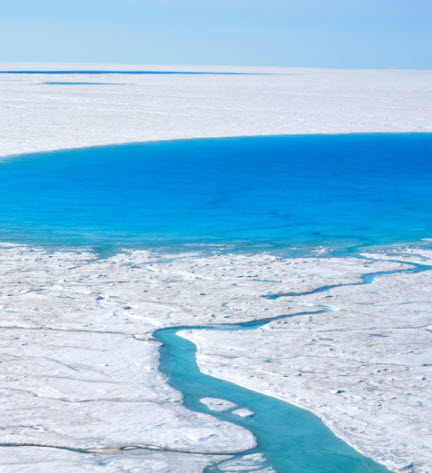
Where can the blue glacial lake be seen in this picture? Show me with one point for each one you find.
(81, 83)
(248, 193)
(272, 193)
(130, 72)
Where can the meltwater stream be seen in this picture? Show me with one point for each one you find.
(291, 439)
(248, 194)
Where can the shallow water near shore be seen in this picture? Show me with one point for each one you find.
(248, 194)
(291, 439)
(255, 193)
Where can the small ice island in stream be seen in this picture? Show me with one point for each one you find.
(87, 381)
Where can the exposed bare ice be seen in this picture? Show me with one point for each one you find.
(363, 366)
(80, 387)
(218, 405)
(38, 116)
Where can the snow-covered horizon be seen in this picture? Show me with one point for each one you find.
(35, 116)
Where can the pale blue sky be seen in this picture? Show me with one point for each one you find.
(321, 33)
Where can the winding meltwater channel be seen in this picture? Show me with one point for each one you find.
(284, 194)
(291, 439)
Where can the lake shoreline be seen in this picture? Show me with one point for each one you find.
(85, 289)
(290, 102)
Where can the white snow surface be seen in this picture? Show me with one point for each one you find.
(79, 369)
(35, 116)
(219, 405)
(79, 379)
(365, 368)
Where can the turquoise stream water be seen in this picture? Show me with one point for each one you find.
(244, 194)
(291, 439)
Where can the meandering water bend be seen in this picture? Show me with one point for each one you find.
(247, 194)
(291, 439)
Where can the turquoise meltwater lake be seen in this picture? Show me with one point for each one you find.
(280, 192)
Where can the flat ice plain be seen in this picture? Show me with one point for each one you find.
(80, 387)
(35, 116)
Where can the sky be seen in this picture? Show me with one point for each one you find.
(299, 33)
